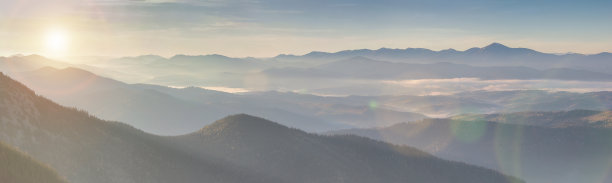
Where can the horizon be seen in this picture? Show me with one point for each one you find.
(68, 59)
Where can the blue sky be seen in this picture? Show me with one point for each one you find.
(264, 28)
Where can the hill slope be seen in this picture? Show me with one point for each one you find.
(533, 153)
(16, 167)
(290, 155)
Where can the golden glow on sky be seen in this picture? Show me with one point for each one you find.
(264, 28)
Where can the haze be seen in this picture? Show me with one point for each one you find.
(305, 91)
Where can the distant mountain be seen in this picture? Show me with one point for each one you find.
(19, 168)
(238, 148)
(365, 68)
(159, 109)
(494, 54)
(533, 153)
(495, 102)
(153, 106)
(20, 63)
(184, 69)
(559, 119)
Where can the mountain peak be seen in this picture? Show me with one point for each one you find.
(243, 124)
(495, 46)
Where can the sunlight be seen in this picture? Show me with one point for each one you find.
(56, 41)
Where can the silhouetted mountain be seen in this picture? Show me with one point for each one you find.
(365, 68)
(497, 49)
(238, 148)
(15, 167)
(559, 119)
(535, 154)
(494, 54)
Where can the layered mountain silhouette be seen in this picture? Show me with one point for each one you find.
(495, 54)
(546, 152)
(495, 61)
(19, 168)
(364, 68)
(342, 73)
(239, 148)
(164, 110)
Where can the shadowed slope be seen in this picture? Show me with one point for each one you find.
(85, 149)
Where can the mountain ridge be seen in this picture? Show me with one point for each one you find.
(492, 46)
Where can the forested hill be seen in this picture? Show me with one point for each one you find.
(239, 148)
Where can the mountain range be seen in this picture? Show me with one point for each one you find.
(173, 111)
(495, 54)
(350, 72)
(238, 148)
(364, 68)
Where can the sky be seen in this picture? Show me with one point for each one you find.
(266, 28)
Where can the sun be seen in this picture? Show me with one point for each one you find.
(56, 41)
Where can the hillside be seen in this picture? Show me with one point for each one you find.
(239, 148)
(533, 153)
(15, 167)
(290, 155)
(83, 148)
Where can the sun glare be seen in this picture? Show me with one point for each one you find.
(56, 41)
